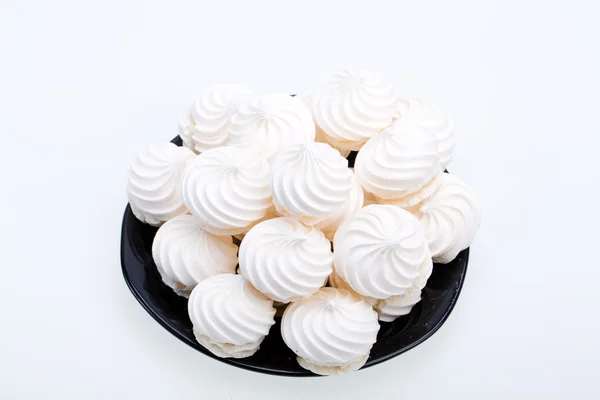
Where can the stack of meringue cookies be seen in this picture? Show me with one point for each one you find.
(269, 170)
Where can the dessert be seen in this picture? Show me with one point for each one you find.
(353, 203)
(227, 189)
(331, 332)
(285, 259)
(430, 118)
(185, 254)
(398, 162)
(269, 123)
(205, 125)
(310, 182)
(320, 136)
(229, 316)
(378, 251)
(153, 187)
(335, 281)
(352, 105)
(450, 218)
(390, 309)
(413, 202)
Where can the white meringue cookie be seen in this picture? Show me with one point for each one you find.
(153, 187)
(229, 316)
(353, 105)
(430, 118)
(227, 189)
(285, 259)
(186, 254)
(332, 331)
(413, 202)
(450, 218)
(310, 182)
(335, 281)
(395, 306)
(205, 125)
(353, 203)
(378, 251)
(398, 162)
(320, 136)
(270, 123)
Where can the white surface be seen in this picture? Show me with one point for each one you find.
(85, 85)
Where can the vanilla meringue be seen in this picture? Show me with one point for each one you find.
(353, 105)
(335, 281)
(310, 182)
(390, 309)
(430, 118)
(331, 332)
(205, 125)
(398, 162)
(270, 123)
(285, 259)
(153, 187)
(450, 218)
(378, 251)
(186, 254)
(353, 203)
(320, 136)
(413, 202)
(227, 189)
(229, 316)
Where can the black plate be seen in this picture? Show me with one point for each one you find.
(273, 357)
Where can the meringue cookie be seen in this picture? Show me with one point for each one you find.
(398, 162)
(153, 187)
(378, 251)
(395, 306)
(430, 118)
(205, 125)
(332, 331)
(413, 202)
(450, 218)
(353, 203)
(335, 281)
(229, 316)
(185, 254)
(320, 136)
(227, 189)
(270, 123)
(285, 259)
(353, 105)
(310, 182)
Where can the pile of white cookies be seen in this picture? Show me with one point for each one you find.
(270, 170)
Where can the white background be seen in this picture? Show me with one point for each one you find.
(85, 85)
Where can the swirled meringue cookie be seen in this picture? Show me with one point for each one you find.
(153, 186)
(335, 281)
(270, 123)
(353, 105)
(353, 203)
(398, 162)
(430, 118)
(378, 251)
(186, 254)
(227, 189)
(413, 202)
(320, 136)
(229, 316)
(331, 332)
(390, 309)
(285, 259)
(450, 218)
(205, 125)
(310, 182)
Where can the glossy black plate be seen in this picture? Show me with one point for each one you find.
(273, 357)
